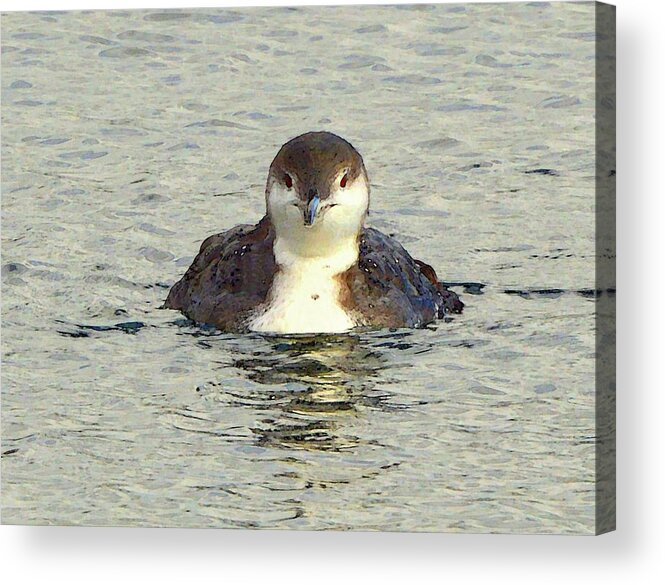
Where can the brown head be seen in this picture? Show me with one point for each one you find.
(317, 183)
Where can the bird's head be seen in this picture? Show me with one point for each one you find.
(317, 192)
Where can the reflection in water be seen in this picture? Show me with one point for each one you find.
(306, 403)
(318, 384)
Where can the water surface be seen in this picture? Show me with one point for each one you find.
(130, 136)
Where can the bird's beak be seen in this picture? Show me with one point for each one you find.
(311, 209)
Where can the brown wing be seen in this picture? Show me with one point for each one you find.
(228, 279)
(451, 302)
(388, 288)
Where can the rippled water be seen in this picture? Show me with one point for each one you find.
(129, 136)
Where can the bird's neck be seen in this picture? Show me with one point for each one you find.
(315, 251)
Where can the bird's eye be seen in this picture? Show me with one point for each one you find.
(344, 180)
(288, 181)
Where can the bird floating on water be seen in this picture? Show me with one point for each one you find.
(310, 265)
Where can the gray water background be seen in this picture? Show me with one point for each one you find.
(130, 136)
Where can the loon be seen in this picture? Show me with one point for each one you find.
(310, 265)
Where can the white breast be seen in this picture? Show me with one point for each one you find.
(304, 297)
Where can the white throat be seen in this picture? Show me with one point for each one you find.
(305, 294)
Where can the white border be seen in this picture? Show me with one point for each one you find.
(633, 554)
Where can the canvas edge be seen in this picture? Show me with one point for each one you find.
(605, 309)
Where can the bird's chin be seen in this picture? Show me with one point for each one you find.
(320, 226)
(303, 238)
(316, 223)
(297, 219)
(332, 226)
